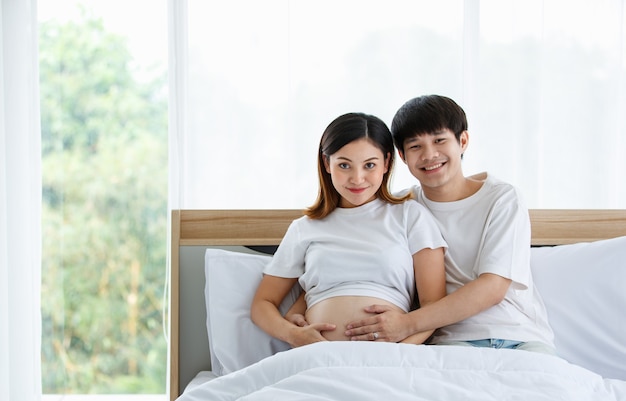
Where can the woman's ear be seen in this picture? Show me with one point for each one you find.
(387, 158)
(326, 163)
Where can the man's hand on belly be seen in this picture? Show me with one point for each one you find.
(386, 325)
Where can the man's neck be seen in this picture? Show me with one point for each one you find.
(456, 190)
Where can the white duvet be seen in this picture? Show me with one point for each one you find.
(374, 371)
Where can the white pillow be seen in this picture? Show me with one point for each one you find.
(582, 286)
(231, 281)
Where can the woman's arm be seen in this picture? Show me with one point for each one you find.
(295, 314)
(265, 313)
(430, 281)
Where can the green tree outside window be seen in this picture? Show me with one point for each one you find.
(104, 216)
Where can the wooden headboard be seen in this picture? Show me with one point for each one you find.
(195, 230)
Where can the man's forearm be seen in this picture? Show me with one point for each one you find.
(472, 298)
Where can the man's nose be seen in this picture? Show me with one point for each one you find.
(429, 153)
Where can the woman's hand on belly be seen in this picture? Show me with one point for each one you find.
(297, 319)
(342, 310)
(309, 334)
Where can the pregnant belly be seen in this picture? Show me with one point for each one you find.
(340, 311)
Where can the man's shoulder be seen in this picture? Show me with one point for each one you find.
(414, 190)
(502, 199)
(488, 178)
(482, 176)
(491, 188)
(499, 188)
(411, 205)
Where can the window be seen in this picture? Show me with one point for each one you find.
(103, 88)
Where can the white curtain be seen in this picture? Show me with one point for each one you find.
(542, 82)
(20, 204)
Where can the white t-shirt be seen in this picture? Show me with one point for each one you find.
(489, 232)
(361, 251)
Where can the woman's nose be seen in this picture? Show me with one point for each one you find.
(357, 176)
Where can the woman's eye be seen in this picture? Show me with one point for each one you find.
(344, 166)
(370, 165)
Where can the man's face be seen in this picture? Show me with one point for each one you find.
(435, 159)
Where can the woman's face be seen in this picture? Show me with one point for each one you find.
(357, 171)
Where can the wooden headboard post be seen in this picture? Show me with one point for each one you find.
(267, 227)
(173, 355)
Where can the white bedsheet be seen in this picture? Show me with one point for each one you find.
(200, 378)
(372, 371)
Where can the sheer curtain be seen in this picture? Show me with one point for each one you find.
(20, 203)
(543, 84)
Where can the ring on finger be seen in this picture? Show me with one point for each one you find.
(375, 335)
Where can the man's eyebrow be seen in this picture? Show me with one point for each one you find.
(416, 137)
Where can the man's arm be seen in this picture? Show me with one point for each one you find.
(430, 282)
(472, 298)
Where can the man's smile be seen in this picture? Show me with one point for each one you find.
(433, 167)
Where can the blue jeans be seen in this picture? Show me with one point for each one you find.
(535, 346)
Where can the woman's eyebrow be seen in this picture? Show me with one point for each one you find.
(366, 160)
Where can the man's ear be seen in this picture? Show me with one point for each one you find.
(401, 153)
(464, 141)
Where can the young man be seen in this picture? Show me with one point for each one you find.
(491, 297)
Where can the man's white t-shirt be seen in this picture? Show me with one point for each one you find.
(361, 251)
(489, 232)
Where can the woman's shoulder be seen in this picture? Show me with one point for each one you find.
(298, 225)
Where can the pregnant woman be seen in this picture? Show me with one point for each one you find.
(358, 244)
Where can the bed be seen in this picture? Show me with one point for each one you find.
(578, 261)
